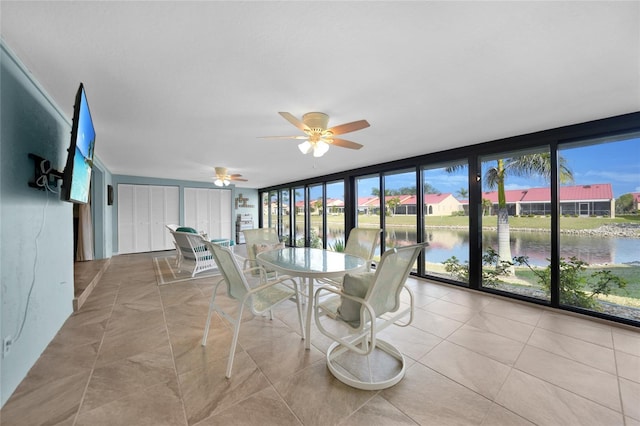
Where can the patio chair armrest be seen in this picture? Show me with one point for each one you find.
(411, 304)
(271, 283)
(363, 324)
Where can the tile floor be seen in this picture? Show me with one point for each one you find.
(132, 356)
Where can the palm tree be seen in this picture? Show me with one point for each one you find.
(317, 205)
(528, 165)
(392, 203)
(463, 193)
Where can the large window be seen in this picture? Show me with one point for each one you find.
(446, 220)
(335, 216)
(368, 204)
(552, 219)
(400, 209)
(316, 209)
(600, 227)
(299, 208)
(514, 186)
(284, 215)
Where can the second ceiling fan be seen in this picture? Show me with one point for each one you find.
(318, 137)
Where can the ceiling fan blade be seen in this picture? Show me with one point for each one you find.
(235, 175)
(238, 179)
(343, 143)
(293, 120)
(283, 137)
(349, 127)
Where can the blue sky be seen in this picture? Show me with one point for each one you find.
(617, 163)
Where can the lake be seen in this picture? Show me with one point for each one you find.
(444, 243)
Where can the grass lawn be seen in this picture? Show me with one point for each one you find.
(538, 222)
(628, 296)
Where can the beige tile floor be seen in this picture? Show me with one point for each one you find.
(132, 356)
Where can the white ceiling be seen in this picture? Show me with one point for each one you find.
(176, 88)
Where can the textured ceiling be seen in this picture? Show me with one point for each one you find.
(176, 88)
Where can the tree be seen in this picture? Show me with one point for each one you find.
(463, 193)
(317, 204)
(391, 204)
(528, 165)
(486, 206)
(624, 204)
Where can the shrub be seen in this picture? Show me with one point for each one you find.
(490, 276)
(338, 245)
(575, 287)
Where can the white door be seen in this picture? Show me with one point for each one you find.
(164, 202)
(208, 210)
(126, 217)
(143, 212)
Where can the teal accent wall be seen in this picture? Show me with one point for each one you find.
(36, 228)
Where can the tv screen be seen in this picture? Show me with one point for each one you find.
(77, 172)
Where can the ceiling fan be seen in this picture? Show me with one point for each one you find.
(224, 179)
(317, 136)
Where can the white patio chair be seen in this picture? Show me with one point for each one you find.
(258, 299)
(172, 228)
(367, 303)
(257, 240)
(362, 242)
(193, 250)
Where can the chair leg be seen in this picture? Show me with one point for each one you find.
(206, 327)
(302, 333)
(234, 342)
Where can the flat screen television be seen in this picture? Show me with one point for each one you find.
(76, 179)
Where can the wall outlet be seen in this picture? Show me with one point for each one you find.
(6, 346)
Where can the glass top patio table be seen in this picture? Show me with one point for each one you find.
(311, 263)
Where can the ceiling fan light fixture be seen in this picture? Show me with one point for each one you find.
(320, 148)
(305, 147)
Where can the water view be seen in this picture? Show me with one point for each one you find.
(445, 243)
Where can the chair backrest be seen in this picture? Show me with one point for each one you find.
(362, 242)
(237, 286)
(172, 227)
(391, 274)
(189, 243)
(259, 236)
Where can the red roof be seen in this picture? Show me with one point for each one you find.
(368, 201)
(598, 191)
(512, 195)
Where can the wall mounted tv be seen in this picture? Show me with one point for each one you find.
(76, 178)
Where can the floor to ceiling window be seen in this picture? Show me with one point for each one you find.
(284, 216)
(573, 244)
(446, 219)
(400, 207)
(368, 204)
(335, 216)
(316, 209)
(515, 222)
(600, 227)
(299, 208)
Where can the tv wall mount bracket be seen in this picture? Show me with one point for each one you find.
(44, 175)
